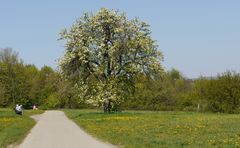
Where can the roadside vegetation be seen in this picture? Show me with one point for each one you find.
(169, 90)
(160, 129)
(13, 127)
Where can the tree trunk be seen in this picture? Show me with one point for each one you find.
(107, 107)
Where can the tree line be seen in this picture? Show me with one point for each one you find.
(23, 83)
(26, 84)
(173, 91)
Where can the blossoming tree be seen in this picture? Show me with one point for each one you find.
(104, 52)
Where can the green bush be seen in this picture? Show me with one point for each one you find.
(52, 101)
(221, 94)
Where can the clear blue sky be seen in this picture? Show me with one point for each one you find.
(197, 37)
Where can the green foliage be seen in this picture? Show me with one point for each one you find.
(168, 91)
(24, 84)
(66, 94)
(27, 85)
(220, 94)
(160, 129)
(11, 77)
(52, 101)
(104, 52)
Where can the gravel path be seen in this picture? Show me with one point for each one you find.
(55, 130)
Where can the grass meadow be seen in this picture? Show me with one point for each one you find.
(161, 129)
(14, 128)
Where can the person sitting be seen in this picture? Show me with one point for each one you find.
(18, 109)
(35, 107)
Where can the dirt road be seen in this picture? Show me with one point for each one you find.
(55, 130)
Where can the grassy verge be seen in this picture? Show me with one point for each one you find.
(13, 128)
(161, 129)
